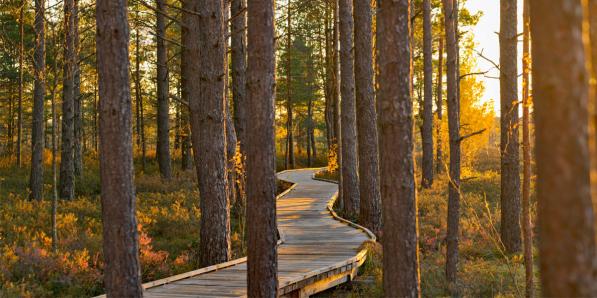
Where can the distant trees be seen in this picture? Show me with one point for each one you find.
(400, 261)
(561, 95)
(348, 138)
(122, 270)
(262, 278)
(509, 136)
(39, 93)
(209, 132)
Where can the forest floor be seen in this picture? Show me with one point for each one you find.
(168, 217)
(485, 270)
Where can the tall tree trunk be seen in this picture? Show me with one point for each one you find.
(560, 89)
(350, 179)
(20, 102)
(401, 261)
(78, 101)
(454, 139)
(262, 276)
(309, 131)
(509, 143)
(163, 143)
(139, 93)
(231, 139)
(239, 67)
(439, 103)
(36, 179)
(526, 147)
(368, 154)
(54, 167)
(121, 248)
(209, 131)
(185, 60)
(67, 167)
(290, 160)
(592, 6)
(427, 129)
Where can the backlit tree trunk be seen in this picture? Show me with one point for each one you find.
(186, 56)
(77, 99)
(290, 160)
(209, 131)
(37, 128)
(67, 167)
(509, 143)
(427, 129)
(21, 83)
(262, 277)
(561, 92)
(368, 154)
(122, 269)
(439, 166)
(526, 146)
(400, 260)
(239, 67)
(350, 179)
(454, 139)
(163, 142)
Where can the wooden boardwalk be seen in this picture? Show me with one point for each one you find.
(317, 250)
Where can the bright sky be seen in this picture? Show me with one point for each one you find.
(487, 41)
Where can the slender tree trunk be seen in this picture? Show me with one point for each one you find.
(454, 139)
(163, 143)
(139, 93)
(592, 14)
(10, 132)
(561, 91)
(368, 154)
(95, 122)
(526, 146)
(67, 167)
(401, 261)
(121, 248)
(427, 129)
(509, 143)
(209, 131)
(337, 141)
(78, 101)
(439, 167)
(309, 131)
(231, 139)
(20, 102)
(290, 160)
(350, 179)
(239, 67)
(262, 277)
(185, 60)
(36, 179)
(54, 167)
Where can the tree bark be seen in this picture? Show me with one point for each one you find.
(350, 179)
(561, 91)
(186, 57)
(67, 167)
(77, 99)
(262, 276)
(239, 68)
(368, 154)
(139, 94)
(439, 167)
(122, 269)
(209, 130)
(400, 262)
(454, 139)
(427, 129)
(37, 128)
(163, 145)
(526, 146)
(509, 143)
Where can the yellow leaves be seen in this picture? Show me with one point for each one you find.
(333, 164)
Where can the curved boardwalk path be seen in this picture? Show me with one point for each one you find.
(316, 252)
